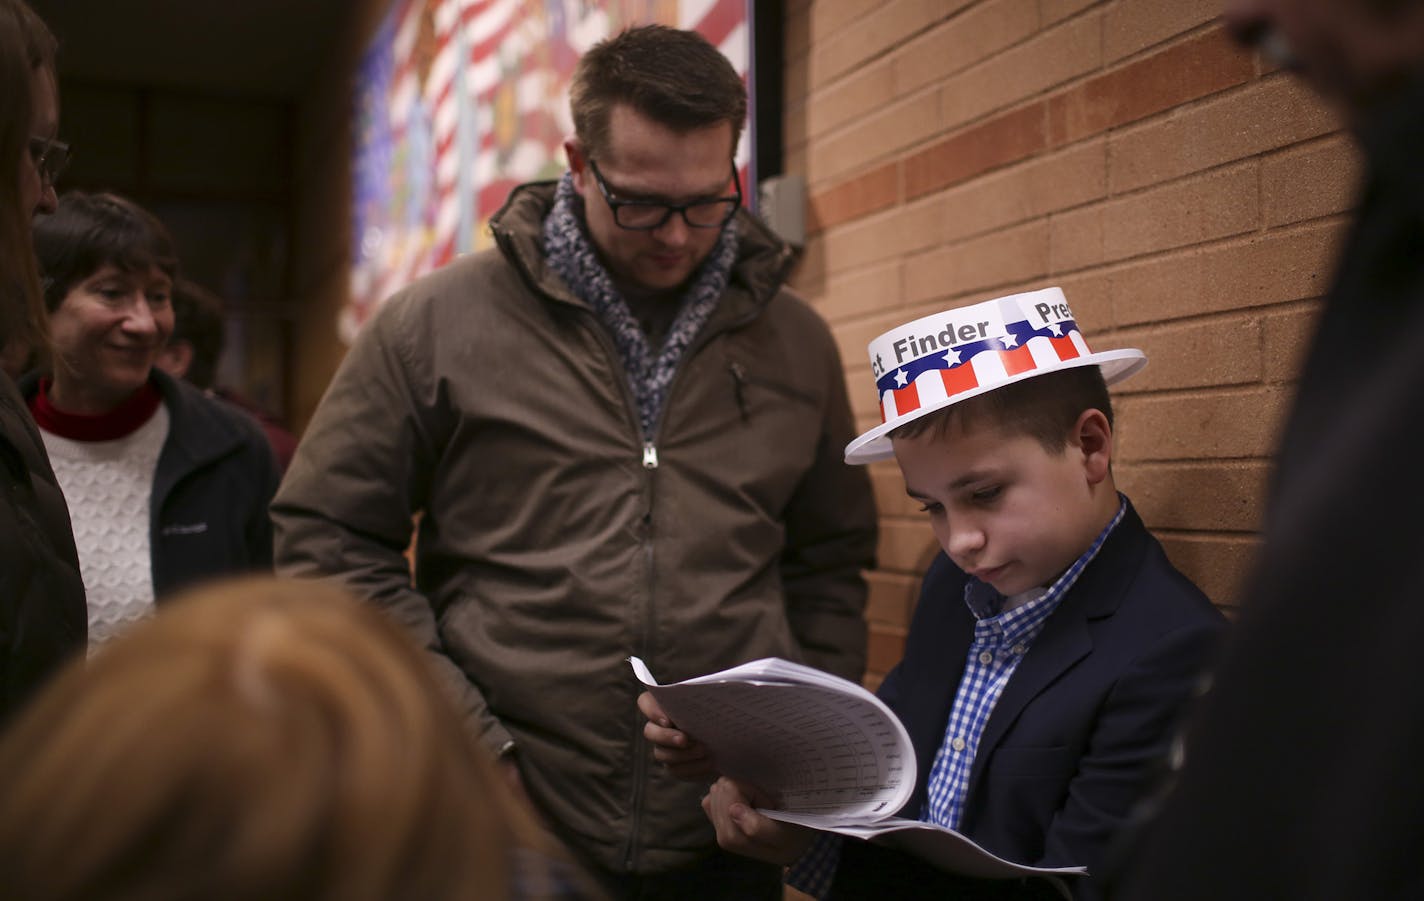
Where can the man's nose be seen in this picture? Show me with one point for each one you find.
(674, 231)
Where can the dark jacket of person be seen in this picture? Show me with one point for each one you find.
(1074, 741)
(43, 620)
(1302, 775)
(553, 544)
(215, 476)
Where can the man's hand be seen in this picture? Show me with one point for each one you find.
(742, 830)
(682, 755)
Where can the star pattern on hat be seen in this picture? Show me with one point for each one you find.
(1056, 328)
(900, 379)
(1010, 339)
(952, 358)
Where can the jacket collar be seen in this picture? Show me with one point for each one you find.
(197, 433)
(1067, 637)
(763, 263)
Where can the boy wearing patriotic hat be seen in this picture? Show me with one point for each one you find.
(1053, 645)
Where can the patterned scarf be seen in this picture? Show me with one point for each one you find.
(572, 257)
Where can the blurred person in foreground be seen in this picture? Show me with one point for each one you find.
(259, 740)
(624, 435)
(194, 350)
(165, 486)
(1301, 777)
(42, 617)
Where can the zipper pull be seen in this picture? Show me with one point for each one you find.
(650, 456)
(738, 384)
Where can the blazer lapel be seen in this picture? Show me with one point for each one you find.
(1066, 637)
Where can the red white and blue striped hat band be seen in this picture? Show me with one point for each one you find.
(942, 359)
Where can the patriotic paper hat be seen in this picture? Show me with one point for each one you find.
(939, 360)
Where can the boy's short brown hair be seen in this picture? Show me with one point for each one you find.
(1044, 407)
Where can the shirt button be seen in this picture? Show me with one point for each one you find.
(986, 658)
(1019, 649)
(957, 744)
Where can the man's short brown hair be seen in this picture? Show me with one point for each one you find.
(1044, 407)
(674, 77)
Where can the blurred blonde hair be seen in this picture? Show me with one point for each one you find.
(259, 739)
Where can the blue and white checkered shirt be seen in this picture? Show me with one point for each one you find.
(1001, 639)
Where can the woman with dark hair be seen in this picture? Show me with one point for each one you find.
(42, 608)
(165, 486)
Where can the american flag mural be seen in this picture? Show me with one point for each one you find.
(459, 101)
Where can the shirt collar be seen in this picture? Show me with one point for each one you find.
(1023, 622)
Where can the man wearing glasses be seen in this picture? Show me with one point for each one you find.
(623, 437)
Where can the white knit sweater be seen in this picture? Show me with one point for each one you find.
(109, 487)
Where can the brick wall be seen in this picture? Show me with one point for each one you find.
(1187, 198)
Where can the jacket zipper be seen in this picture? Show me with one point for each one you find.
(650, 464)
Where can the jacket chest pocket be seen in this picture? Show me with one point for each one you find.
(747, 428)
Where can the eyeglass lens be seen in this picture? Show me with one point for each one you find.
(709, 214)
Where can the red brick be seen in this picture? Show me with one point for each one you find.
(1287, 339)
(1036, 187)
(1198, 354)
(1052, 11)
(1075, 239)
(828, 17)
(887, 235)
(1002, 258)
(1198, 66)
(873, 138)
(1273, 268)
(871, 35)
(859, 94)
(1001, 140)
(1218, 565)
(1319, 179)
(975, 35)
(1258, 118)
(1201, 425)
(1215, 205)
(1133, 26)
(877, 189)
(1201, 496)
(1053, 57)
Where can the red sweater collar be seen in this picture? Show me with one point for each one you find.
(125, 419)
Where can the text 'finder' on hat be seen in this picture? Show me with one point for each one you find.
(942, 359)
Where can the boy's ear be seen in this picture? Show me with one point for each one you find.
(1092, 436)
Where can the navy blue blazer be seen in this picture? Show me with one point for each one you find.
(1079, 730)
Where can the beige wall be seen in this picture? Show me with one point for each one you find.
(1187, 198)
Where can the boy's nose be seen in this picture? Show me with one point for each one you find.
(962, 541)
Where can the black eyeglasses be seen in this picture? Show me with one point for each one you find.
(50, 157)
(646, 215)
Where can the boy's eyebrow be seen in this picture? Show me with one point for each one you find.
(963, 481)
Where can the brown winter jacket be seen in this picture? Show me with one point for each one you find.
(554, 544)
